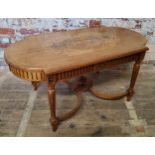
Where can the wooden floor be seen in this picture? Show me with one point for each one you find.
(24, 112)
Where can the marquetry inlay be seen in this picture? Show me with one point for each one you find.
(28, 75)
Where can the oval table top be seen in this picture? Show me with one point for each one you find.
(62, 51)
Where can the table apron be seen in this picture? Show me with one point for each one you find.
(93, 68)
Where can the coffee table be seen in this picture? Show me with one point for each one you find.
(60, 56)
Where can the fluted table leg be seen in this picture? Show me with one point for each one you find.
(134, 75)
(52, 105)
(54, 119)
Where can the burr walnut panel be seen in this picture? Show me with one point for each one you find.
(64, 51)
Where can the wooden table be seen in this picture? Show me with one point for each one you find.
(60, 56)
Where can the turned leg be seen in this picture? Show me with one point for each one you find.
(35, 84)
(133, 80)
(52, 105)
(134, 75)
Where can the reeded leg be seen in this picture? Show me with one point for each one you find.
(52, 106)
(133, 80)
(135, 72)
(35, 84)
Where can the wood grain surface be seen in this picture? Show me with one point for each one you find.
(62, 51)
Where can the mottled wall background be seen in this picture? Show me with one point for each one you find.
(12, 30)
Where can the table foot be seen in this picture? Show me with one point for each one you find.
(54, 124)
(35, 84)
(130, 95)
